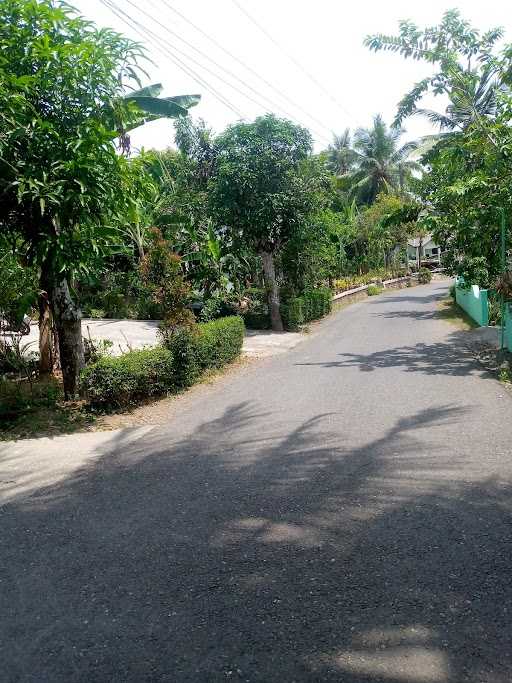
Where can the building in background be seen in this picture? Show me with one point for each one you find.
(423, 251)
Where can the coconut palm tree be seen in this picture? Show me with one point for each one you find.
(340, 154)
(473, 96)
(381, 164)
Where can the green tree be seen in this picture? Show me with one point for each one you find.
(385, 226)
(62, 84)
(468, 72)
(340, 155)
(261, 190)
(382, 165)
(470, 165)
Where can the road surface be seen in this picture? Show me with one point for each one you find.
(340, 513)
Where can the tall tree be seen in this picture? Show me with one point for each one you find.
(468, 70)
(340, 155)
(382, 164)
(468, 182)
(62, 105)
(260, 190)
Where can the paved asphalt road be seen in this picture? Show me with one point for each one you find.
(338, 513)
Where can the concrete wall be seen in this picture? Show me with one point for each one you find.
(474, 301)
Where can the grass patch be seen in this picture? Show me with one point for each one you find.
(449, 311)
(61, 419)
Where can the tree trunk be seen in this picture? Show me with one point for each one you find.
(46, 341)
(68, 322)
(46, 360)
(269, 273)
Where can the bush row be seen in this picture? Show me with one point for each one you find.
(353, 281)
(312, 305)
(128, 379)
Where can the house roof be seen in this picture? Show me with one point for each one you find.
(416, 241)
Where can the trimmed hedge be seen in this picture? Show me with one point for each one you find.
(217, 342)
(312, 305)
(128, 379)
(292, 313)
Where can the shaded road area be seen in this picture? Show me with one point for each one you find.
(340, 513)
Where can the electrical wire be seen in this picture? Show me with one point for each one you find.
(174, 49)
(164, 49)
(293, 59)
(230, 54)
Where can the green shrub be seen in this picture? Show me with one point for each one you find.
(21, 397)
(452, 291)
(208, 345)
(292, 313)
(128, 379)
(219, 342)
(183, 346)
(219, 305)
(257, 321)
(373, 290)
(317, 303)
(424, 276)
(125, 380)
(494, 303)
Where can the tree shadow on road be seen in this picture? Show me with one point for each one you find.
(246, 554)
(440, 358)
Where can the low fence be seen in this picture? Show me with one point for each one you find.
(474, 301)
(350, 294)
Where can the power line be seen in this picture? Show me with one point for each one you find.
(207, 69)
(245, 66)
(295, 61)
(144, 32)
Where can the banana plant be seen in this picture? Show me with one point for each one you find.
(146, 105)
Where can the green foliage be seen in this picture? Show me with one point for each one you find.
(467, 185)
(126, 380)
(467, 68)
(94, 349)
(424, 276)
(354, 281)
(312, 305)
(118, 293)
(293, 313)
(473, 271)
(209, 345)
(255, 307)
(161, 272)
(494, 303)
(60, 170)
(18, 398)
(113, 383)
(259, 189)
(374, 290)
(219, 342)
(18, 287)
(382, 165)
(313, 255)
(219, 305)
